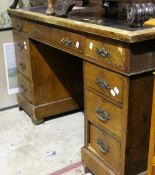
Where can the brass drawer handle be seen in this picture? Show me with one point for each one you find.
(23, 89)
(103, 115)
(66, 42)
(23, 66)
(19, 27)
(103, 52)
(103, 84)
(104, 148)
(37, 32)
(21, 45)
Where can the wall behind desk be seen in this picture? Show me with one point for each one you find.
(5, 99)
(7, 37)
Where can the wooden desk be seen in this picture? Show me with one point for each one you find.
(55, 56)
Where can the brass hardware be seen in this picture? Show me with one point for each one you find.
(103, 52)
(21, 45)
(22, 65)
(102, 115)
(23, 89)
(37, 32)
(104, 148)
(103, 84)
(66, 42)
(19, 27)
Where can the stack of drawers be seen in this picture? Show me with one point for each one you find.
(117, 113)
(48, 80)
(23, 65)
(104, 114)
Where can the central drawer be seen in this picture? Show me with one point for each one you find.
(107, 147)
(106, 82)
(59, 37)
(103, 113)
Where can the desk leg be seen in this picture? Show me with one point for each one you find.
(37, 121)
(86, 170)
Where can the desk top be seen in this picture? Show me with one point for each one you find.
(80, 22)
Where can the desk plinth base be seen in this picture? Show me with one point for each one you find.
(38, 113)
(95, 165)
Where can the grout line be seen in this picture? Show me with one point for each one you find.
(7, 108)
(66, 169)
(6, 29)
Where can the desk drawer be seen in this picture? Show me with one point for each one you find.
(107, 147)
(106, 82)
(19, 24)
(59, 37)
(23, 65)
(25, 87)
(21, 43)
(22, 54)
(103, 113)
(106, 52)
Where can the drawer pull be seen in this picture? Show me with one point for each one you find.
(103, 84)
(22, 65)
(23, 89)
(104, 148)
(37, 32)
(66, 42)
(21, 45)
(102, 115)
(103, 52)
(19, 27)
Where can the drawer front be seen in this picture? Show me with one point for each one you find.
(108, 83)
(106, 52)
(21, 43)
(22, 54)
(25, 87)
(23, 65)
(20, 25)
(107, 147)
(55, 36)
(103, 113)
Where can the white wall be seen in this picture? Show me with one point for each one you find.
(5, 99)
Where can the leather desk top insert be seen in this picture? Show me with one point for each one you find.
(65, 63)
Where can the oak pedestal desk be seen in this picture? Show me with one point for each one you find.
(60, 59)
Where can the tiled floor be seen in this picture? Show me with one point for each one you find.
(26, 149)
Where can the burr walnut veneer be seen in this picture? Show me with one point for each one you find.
(61, 61)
